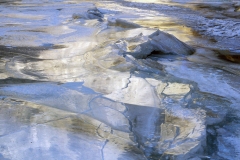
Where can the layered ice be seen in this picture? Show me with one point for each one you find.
(101, 80)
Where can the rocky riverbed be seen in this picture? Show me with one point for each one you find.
(119, 79)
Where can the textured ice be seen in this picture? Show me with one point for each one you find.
(113, 80)
(50, 133)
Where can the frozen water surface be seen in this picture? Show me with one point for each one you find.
(119, 79)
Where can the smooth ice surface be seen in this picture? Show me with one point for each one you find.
(119, 80)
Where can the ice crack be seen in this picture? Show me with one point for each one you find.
(98, 132)
(105, 143)
(129, 81)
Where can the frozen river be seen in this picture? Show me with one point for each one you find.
(119, 80)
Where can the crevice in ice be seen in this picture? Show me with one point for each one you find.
(103, 146)
(129, 82)
(162, 92)
(222, 138)
(54, 120)
(211, 140)
(89, 103)
(98, 131)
